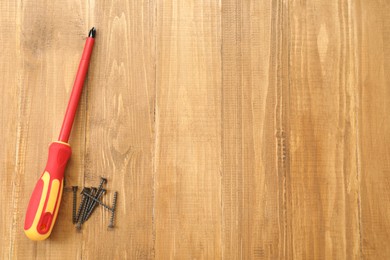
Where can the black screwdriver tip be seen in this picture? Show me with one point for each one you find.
(92, 32)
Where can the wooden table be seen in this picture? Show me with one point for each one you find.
(231, 129)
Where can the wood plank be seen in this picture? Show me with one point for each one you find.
(48, 57)
(120, 127)
(254, 58)
(374, 126)
(9, 100)
(188, 126)
(323, 130)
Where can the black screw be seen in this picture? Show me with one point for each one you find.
(82, 203)
(83, 214)
(81, 218)
(102, 181)
(111, 225)
(91, 209)
(92, 192)
(78, 226)
(97, 201)
(89, 203)
(97, 194)
(74, 189)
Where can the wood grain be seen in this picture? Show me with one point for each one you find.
(120, 127)
(188, 125)
(374, 127)
(323, 131)
(231, 129)
(9, 69)
(253, 175)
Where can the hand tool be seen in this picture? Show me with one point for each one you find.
(45, 200)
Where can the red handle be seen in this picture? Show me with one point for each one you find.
(46, 198)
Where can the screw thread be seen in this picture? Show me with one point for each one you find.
(93, 206)
(97, 194)
(98, 201)
(83, 213)
(102, 182)
(111, 225)
(74, 189)
(79, 211)
(89, 203)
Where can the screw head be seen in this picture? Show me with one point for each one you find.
(87, 190)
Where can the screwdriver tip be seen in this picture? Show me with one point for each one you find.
(92, 32)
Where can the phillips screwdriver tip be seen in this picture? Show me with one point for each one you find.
(92, 32)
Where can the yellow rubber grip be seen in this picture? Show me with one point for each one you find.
(45, 200)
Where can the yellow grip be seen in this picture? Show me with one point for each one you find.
(47, 194)
(46, 198)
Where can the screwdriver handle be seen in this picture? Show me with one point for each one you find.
(46, 198)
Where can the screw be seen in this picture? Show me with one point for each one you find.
(82, 203)
(74, 189)
(98, 201)
(89, 203)
(78, 226)
(81, 218)
(84, 212)
(90, 210)
(102, 181)
(98, 196)
(92, 192)
(111, 225)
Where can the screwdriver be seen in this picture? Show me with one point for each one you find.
(45, 200)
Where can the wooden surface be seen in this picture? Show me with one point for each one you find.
(231, 129)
